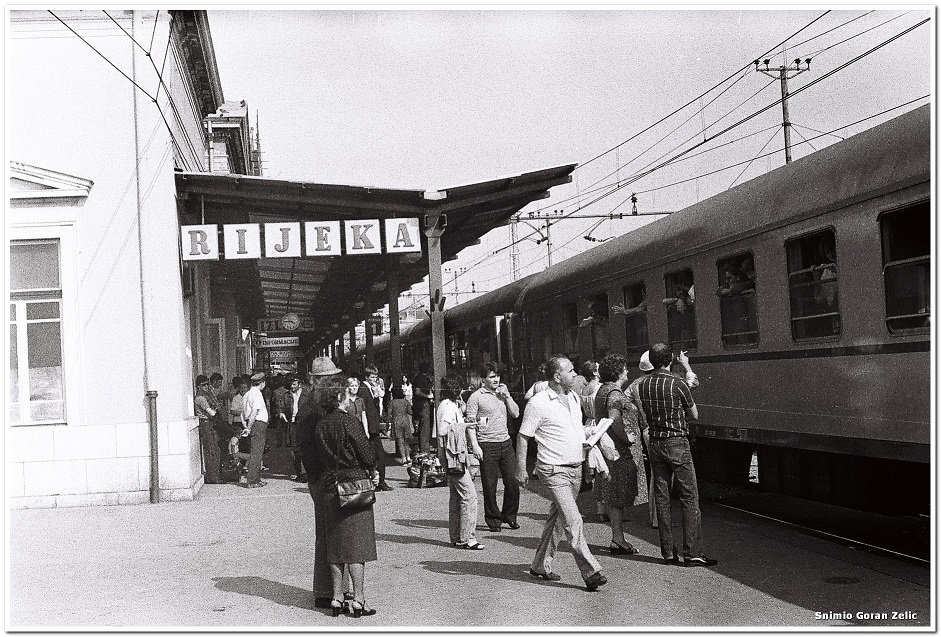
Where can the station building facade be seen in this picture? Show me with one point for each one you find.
(107, 328)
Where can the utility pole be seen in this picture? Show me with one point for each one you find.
(514, 247)
(548, 243)
(783, 72)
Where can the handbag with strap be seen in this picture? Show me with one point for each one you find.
(356, 494)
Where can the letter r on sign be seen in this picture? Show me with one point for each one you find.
(199, 243)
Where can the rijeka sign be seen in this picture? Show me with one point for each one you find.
(295, 239)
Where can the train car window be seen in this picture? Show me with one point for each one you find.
(906, 262)
(634, 310)
(681, 310)
(598, 321)
(570, 327)
(737, 303)
(539, 335)
(812, 273)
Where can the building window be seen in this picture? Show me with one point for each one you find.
(906, 262)
(37, 378)
(812, 273)
(570, 328)
(737, 303)
(681, 310)
(635, 318)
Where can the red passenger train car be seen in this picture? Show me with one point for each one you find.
(803, 299)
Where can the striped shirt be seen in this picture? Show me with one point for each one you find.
(665, 399)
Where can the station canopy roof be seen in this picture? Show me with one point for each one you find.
(340, 292)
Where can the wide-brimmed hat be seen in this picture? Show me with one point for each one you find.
(323, 366)
(645, 365)
(258, 376)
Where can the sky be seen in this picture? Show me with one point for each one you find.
(430, 99)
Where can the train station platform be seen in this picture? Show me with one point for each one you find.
(242, 559)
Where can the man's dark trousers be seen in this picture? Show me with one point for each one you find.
(499, 460)
(259, 431)
(379, 451)
(211, 455)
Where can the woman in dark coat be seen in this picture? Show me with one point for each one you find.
(343, 453)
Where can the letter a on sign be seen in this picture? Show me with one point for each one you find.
(199, 243)
(363, 236)
(282, 240)
(402, 235)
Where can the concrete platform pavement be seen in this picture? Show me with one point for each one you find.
(242, 559)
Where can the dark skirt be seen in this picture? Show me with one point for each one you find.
(350, 535)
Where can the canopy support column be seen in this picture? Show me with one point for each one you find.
(435, 223)
(395, 347)
(370, 359)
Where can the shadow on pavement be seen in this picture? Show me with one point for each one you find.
(409, 539)
(509, 572)
(422, 524)
(276, 592)
(534, 516)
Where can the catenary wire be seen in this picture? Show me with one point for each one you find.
(744, 68)
(804, 138)
(822, 134)
(808, 25)
(816, 53)
(748, 165)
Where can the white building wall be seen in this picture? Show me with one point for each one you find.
(69, 111)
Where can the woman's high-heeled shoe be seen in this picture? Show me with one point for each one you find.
(337, 606)
(359, 609)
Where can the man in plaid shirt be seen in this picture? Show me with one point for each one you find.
(668, 404)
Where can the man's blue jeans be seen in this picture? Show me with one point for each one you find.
(670, 458)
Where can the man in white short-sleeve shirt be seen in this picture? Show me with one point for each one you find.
(255, 415)
(554, 418)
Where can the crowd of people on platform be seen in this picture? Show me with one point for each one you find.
(589, 427)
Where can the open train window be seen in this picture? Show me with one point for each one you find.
(737, 304)
(570, 327)
(812, 274)
(634, 310)
(906, 262)
(681, 310)
(597, 322)
(539, 335)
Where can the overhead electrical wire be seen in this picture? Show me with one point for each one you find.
(129, 79)
(744, 68)
(173, 107)
(154, 33)
(736, 72)
(817, 53)
(750, 162)
(822, 134)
